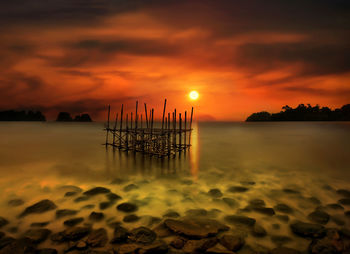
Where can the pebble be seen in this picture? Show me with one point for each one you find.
(215, 193)
(96, 216)
(258, 231)
(283, 208)
(127, 207)
(240, 220)
(232, 242)
(73, 222)
(131, 218)
(96, 191)
(307, 229)
(142, 235)
(319, 216)
(235, 189)
(65, 212)
(39, 207)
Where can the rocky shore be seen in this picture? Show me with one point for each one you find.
(92, 229)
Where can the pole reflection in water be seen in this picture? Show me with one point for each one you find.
(194, 151)
(121, 164)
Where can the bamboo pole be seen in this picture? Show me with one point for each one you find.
(114, 129)
(163, 114)
(121, 126)
(151, 142)
(189, 142)
(169, 144)
(180, 132)
(146, 115)
(136, 121)
(109, 110)
(185, 136)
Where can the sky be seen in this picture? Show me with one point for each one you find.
(241, 56)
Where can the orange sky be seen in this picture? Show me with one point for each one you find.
(241, 56)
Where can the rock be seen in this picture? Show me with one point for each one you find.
(213, 213)
(73, 222)
(283, 208)
(142, 235)
(230, 202)
(319, 216)
(131, 218)
(344, 201)
(232, 242)
(47, 251)
(91, 206)
(120, 235)
(314, 200)
(70, 193)
(178, 243)
(308, 229)
(15, 202)
(257, 203)
(157, 247)
(199, 246)
(40, 207)
(218, 249)
(4, 241)
(3, 222)
(71, 234)
(65, 212)
(130, 187)
(129, 248)
(284, 250)
(195, 227)
(70, 188)
(347, 214)
(276, 226)
(113, 197)
(335, 207)
(40, 224)
(81, 199)
(283, 218)
(344, 193)
(258, 231)
(171, 214)
(215, 193)
(264, 210)
(105, 205)
(280, 239)
(96, 191)
(162, 231)
(330, 244)
(338, 219)
(127, 207)
(97, 238)
(240, 220)
(235, 189)
(37, 235)
(81, 245)
(95, 216)
(291, 191)
(196, 212)
(20, 246)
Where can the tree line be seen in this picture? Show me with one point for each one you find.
(30, 115)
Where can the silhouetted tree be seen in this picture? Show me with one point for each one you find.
(13, 115)
(64, 117)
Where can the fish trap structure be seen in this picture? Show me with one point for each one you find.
(139, 134)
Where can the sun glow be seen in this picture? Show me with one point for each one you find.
(194, 95)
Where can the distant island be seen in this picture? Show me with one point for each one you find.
(66, 117)
(303, 113)
(30, 115)
(13, 115)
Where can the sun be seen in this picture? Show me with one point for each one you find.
(193, 95)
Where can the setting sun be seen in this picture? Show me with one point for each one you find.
(194, 95)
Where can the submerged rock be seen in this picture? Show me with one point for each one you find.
(40, 224)
(264, 210)
(280, 239)
(199, 246)
(283, 218)
(113, 197)
(91, 206)
(127, 207)
(334, 207)
(15, 202)
(344, 193)
(258, 231)
(171, 214)
(96, 216)
(256, 203)
(284, 250)
(237, 189)
(178, 243)
(344, 201)
(131, 218)
(283, 208)
(196, 212)
(157, 247)
(319, 216)
(81, 199)
(40, 207)
(73, 222)
(142, 235)
(130, 187)
(215, 193)
(37, 235)
(232, 242)
(290, 191)
(3, 222)
(65, 212)
(97, 238)
(71, 234)
(96, 191)
(240, 220)
(308, 229)
(106, 204)
(120, 235)
(195, 227)
(230, 202)
(70, 193)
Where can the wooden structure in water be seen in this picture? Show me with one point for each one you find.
(140, 134)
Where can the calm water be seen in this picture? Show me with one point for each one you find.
(37, 159)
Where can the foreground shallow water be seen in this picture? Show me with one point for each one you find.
(274, 173)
